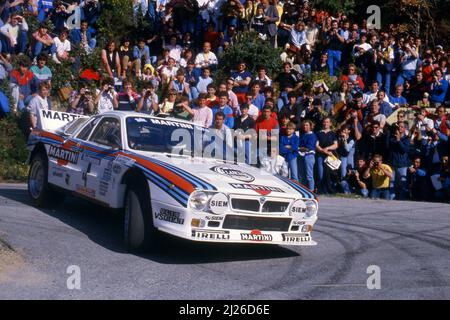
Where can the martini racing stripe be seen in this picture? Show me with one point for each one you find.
(179, 195)
(303, 191)
(197, 181)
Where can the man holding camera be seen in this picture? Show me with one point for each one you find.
(399, 147)
(149, 102)
(355, 180)
(106, 99)
(334, 41)
(81, 102)
(381, 175)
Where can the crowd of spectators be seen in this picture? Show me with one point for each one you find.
(383, 133)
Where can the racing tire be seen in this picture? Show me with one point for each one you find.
(41, 193)
(139, 232)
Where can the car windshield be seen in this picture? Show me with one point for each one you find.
(176, 138)
(72, 126)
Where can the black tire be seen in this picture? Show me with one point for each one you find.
(140, 233)
(39, 190)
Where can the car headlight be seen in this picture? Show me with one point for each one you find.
(298, 209)
(198, 200)
(311, 208)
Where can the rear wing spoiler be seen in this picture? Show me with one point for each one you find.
(52, 120)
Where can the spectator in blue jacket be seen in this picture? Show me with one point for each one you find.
(84, 37)
(399, 147)
(44, 9)
(419, 186)
(439, 88)
(307, 148)
(141, 54)
(289, 149)
(225, 108)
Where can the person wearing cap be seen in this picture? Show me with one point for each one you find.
(149, 74)
(42, 42)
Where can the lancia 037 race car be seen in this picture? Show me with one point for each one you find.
(125, 160)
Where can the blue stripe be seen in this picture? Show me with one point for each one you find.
(306, 193)
(166, 182)
(188, 176)
(176, 193)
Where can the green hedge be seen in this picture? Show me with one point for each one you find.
(13, 151)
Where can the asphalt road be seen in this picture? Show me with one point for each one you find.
(408, 241)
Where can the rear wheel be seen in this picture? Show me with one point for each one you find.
(139, 231)
(39, 190)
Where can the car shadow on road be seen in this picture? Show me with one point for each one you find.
(105, 228)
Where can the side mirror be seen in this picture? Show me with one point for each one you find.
(113, 141)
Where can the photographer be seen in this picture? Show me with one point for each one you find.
(149, 101)
(81, 102)
(381, 175)
(399, 148)
(106, 99)
(418, 181)
(335, 42)
(13, 35)
(59, 15)
(355, 182)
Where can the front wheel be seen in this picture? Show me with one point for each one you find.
(140, 233)
(39, 190)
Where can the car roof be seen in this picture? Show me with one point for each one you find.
(125, 114)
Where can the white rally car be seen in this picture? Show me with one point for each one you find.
(126, 160)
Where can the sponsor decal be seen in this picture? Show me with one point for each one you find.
(262, 190)
(63, 154)
(91, 159)
(172, 123)
(296, 237)
(52, 120)
(120, 159)
(169, 216)
(298, 223)
(58, 172)
(218, 203)
(214, 218)
(103, 188)
(210, 234)
(107, 172)
(58, 115)
(256, 235)
(85, 191)
(233, 173)
(117, 168)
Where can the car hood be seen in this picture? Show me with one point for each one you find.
(231, 178)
